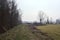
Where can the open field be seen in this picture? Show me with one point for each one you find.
(24, 32)
(51, 30)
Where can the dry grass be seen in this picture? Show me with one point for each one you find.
(51, 30)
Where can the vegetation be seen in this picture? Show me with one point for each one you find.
(10, 18)
(21, 32)
(24, 32)
(8, 15)
(51, 30)
(42, 17)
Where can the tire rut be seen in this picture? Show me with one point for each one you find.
(38, 33)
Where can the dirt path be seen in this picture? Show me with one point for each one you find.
(39, 34)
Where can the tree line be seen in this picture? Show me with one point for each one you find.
(9, 15)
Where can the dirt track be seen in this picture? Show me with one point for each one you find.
(39, 34)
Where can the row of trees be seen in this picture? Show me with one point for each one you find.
(9, 15)
(43, 17)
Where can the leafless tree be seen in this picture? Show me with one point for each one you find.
(42, 16)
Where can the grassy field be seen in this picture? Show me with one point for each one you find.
(25, 32)
(51, 30)
(21, 32)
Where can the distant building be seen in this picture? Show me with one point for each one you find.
(58, 21)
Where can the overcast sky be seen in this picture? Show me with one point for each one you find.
(31, 8)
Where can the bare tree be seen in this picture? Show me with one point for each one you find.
(20, 17)
(42, 16)
(51, 22)
(47, 20)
